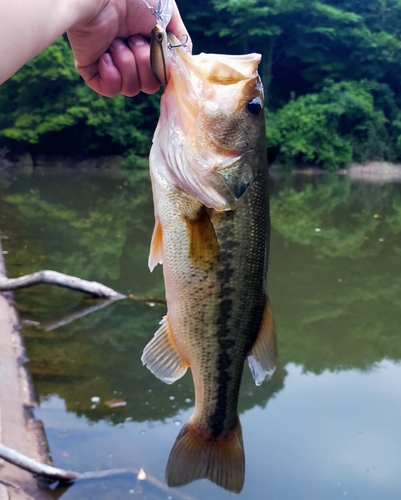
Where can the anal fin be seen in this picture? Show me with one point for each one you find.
(156, 246)
(222, 461)
(204, 249)
(162, 357)
(262, 357)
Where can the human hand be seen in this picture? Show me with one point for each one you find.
(111, 47)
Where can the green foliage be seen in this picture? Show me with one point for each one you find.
(330, 70)
(308, 136)
(47, 97)
(352, 44)
(333, 127)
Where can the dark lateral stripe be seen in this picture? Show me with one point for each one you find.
(225, 342)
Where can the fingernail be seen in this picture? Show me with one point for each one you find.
(107, 59)
(136, 40)
(117, 44)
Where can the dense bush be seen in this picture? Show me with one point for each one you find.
(46, 107)
(331, 128)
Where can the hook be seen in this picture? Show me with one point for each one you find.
(184, 44)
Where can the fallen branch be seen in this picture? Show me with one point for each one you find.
(37, 468)
(59, 279)
(64, 476)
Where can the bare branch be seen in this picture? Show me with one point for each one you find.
(65, 476)
(60, 279)
(26, 463)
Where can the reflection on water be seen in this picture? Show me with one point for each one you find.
(325, 426)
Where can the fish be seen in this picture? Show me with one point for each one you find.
(209, 174)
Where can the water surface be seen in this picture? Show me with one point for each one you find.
(325, 427)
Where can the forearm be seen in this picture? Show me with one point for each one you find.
(29, 26)
(109, 39)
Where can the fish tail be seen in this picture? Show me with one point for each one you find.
(193, 457)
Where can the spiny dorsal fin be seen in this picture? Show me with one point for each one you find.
(204, 249)
(194, 457)
(262, 357)
(162, 357)
(156, 246)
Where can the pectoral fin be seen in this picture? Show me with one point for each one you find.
(162, 357)
(204, 249)
(156, 246)
(262, 356)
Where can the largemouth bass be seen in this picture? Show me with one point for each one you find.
(209, 175)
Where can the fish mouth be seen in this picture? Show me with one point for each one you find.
(231, 179)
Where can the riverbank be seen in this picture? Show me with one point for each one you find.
(372, 171)
(18, 428)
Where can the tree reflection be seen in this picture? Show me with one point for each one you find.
(334, 284)
(335, 258)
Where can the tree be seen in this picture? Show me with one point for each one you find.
(47, 97)
(308, 48)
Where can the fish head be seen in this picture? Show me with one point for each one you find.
(212, 116)
(230, 129)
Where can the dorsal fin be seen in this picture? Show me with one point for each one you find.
(262, 357)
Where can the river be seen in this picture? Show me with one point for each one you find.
(327, 425)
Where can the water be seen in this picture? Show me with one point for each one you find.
(325, 427)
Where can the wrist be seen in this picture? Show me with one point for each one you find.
(29, 27)
(84, 11)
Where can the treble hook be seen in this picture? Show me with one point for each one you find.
(184, 44)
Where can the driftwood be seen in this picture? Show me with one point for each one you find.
(59, 279)
(51, 473)
(37, 468)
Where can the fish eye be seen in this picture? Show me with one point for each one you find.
(255, 106)
(160, 37)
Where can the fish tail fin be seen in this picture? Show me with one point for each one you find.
(194, 457)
